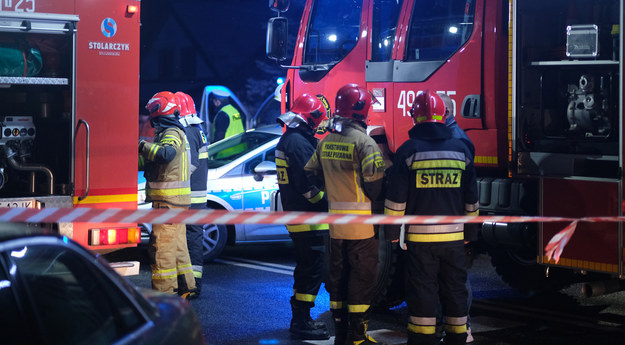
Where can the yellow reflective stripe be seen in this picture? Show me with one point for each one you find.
(390, 212)
(169, 139)
(141, 162)
(203, 155)
(337, 304)
(307, 227)
(152, 152)
(315, 199)
(281, 163)
(350, 211)
(185, 271)
(455, 329)
(104, 199)
(475, 213)
(456, 236)
(305, 297)
(360, 197)
(438, 163)
(169, 192)
(421, 329)
(185, 165)
(197, 274)
(198, 200)
(164, 274)
(357, 308)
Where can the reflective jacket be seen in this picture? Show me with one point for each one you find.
(297, 192)
(433, 174)
(167, 167)
(199, 162)
(234, 123)
(349, 161)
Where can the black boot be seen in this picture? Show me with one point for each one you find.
(303, 326)
(358, 331)
(341, 326)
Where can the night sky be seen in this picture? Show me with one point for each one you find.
(188, 44)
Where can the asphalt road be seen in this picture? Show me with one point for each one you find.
(245, 300)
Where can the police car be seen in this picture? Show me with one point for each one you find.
(241, 176)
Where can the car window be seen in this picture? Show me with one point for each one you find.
(74, 301)
(229, 149)
(11, 318)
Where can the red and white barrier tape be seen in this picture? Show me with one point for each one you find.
(157, 216)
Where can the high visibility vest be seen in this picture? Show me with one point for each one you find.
(235, 126)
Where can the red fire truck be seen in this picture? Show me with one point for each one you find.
(69, 89)
(537, 86)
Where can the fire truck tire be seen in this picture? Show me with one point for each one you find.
(214, 240)
(520, 271)
(389, 290)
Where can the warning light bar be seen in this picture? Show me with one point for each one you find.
(109, 236)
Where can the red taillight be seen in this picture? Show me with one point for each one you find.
(109, 236)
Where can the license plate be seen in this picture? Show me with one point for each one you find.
(24, 203)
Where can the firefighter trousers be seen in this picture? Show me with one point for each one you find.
(169, 256)
(195, 244)
(310, 259)
(353, 274)
(434, 268)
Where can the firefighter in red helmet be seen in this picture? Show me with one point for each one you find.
(433, 174)
(166, 167)
(198, 155)
(352, 168)
(299, 193)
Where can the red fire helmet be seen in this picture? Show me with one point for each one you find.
(428, 107)
(310, 109)
(162, 104)
(187, 106)
(352, 101)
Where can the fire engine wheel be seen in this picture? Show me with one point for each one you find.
(213, 241)
(519, 270)
(389, 291)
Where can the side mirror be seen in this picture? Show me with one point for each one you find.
(276, 38)
(279, 5)
(264, 168)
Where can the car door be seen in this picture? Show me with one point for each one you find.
(70, 299)
(257, 192)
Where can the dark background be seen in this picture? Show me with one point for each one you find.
(188, 44)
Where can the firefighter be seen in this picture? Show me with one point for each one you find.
(351, 166)
(433, 174)
(166, 168)
(198, 148)
(225, 119)
(298, 193)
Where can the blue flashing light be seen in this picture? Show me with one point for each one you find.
(268, 341)
(280, 81)
(65, 240)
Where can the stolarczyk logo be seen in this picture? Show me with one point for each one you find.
(108, 27)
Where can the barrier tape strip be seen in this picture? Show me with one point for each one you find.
(157, 216)
(553, 249)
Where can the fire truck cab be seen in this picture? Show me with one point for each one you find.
(537, 86)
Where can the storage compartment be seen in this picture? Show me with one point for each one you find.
(567, 81)
(37, 113)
